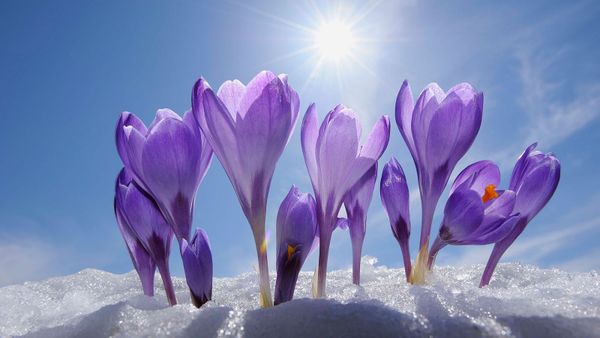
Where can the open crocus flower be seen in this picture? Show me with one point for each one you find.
(438, 129)
(395, 198)
(142, 262)
(296, 231)
(335, 162)
(140, 213)
(168, 160)
(248, 127)
(198, 267)
(534, 180)
(476, 213)
(356, 202)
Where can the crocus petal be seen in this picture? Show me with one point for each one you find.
(537, 187)
(263, 126)
(462, 215)
(477, 176)
(309, 135)
(231, 93)
(404, 111)
(170, 160)
(163, 114)
(296, 231)
(502, 205)
(520, 167)
(342, 223)
(357, 201)
(141, 259)
(127, 119)
(395, 198)
(218, 126)
(493, 233)
(337, 148)
(372, 149)
(198, 267)
(146, 222)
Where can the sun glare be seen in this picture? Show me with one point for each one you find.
(335, 40)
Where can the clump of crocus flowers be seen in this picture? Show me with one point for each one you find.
(248, 126)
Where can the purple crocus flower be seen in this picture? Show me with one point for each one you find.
(438, 129)
(142, 262)
(198, 267)
(335, 162)
(395, 199)
(534, 180)
(168, 160)
(475, 212)
(140, 213)
(248, 127)
(356, 202)
(296, 231)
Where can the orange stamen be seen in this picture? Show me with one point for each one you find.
(291, 250)
(489, 194)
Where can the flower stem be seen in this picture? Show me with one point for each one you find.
(495, 256)
(356, 253)
(438, 244)
(418, 273)
(266, 300)
(163, 269)
(357, 237)
(324, 242)
(406, 257)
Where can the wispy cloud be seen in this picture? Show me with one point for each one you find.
(589, 261)
(24, 259)
(552, 116)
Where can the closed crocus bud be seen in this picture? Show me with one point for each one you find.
(336, 160)
(168, 160)
(395, 198)
(248, 126)
(296, 231)
(198, 267)
(476, 213)
(534, 180)
(438, 130)
(138, 210)
(356, 202)
(142, 262)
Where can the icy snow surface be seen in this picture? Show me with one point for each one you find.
(522, 301)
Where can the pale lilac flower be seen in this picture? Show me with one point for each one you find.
(248, 127)
(198, 267)
(168, 160)
(534, 180)
(395, 199)
(139, 212)
(296, 231)
(438, 130)
(476, 213)
(335, 162)
(142, 262)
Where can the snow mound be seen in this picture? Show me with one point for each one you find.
(522, 301)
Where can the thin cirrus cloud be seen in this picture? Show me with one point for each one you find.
(23, 259)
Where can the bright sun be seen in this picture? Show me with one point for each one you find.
(335, 40)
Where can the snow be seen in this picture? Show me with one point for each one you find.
(522, 300)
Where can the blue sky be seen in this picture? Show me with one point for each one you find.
(67, 70)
